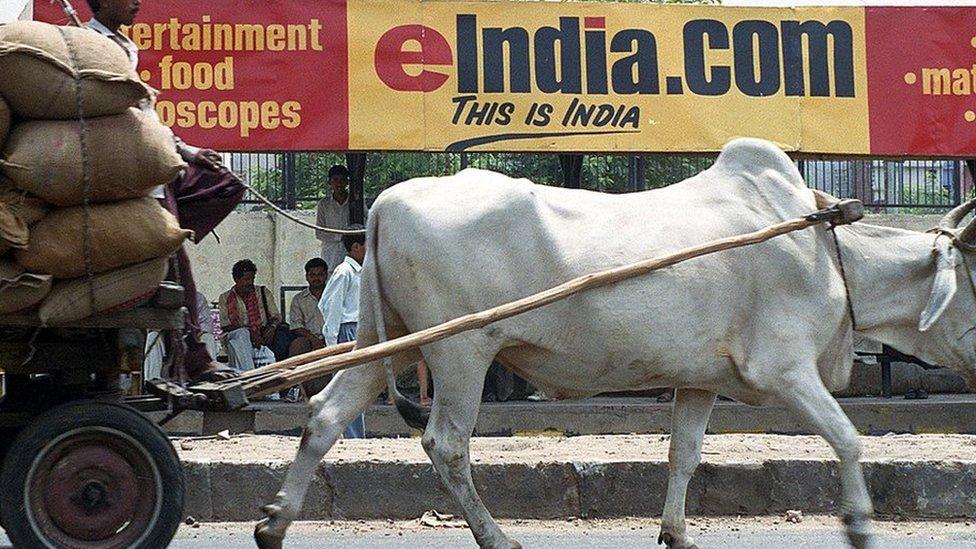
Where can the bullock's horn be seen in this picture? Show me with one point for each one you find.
(951, 220)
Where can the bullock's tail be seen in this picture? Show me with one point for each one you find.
(413, 414)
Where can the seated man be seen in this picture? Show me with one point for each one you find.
(304, 315)
(305, 319)
(248, 317)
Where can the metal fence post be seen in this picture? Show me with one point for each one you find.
(641, 167)
(635, 173)
(288, 181)
(885, 372)
(356, 162)
(632, 173)
(572, 165)
(956, 183)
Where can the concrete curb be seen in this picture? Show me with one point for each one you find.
(224, 491)
(871, 416)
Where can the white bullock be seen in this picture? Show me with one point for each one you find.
(762, 324)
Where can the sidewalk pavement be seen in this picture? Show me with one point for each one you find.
(606, 415)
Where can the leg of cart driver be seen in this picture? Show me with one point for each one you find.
(199, 364)
(349, 393)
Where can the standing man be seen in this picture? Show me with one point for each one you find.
(198, 365)
(333, 212)
(340, 306)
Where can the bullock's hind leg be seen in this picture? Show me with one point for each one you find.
(692, 407)
(459, 376)
(346, 396)
(806, 395)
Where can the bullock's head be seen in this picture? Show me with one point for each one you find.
(955, 260)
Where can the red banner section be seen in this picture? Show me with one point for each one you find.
(921, 65)
(243, 75)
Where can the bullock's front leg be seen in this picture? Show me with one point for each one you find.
(346, 396)
(692, 407)
(806, 395)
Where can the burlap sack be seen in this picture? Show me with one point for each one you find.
(28, 208)
(114, 291)
(20, 290)
(40, 62)
(4, 122)
(121, 233)
(13, 230)
(18, 210)
(128, 155)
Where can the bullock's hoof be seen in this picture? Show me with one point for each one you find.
(858, 530)
(670, 542)
(265, 538)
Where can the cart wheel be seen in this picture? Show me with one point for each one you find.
(91, 474)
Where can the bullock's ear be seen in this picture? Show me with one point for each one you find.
(943, 285)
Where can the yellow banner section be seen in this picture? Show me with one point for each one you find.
(546, 76)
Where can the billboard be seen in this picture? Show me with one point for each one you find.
(255, 75)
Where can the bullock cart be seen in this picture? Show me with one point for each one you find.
(275, 377)
(83, 467)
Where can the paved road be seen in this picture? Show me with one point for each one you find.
(567, 540)
(765, 533)
(572, 535)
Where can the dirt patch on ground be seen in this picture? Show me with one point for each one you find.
(739, 448)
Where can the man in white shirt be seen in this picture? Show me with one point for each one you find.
(333, 212)
(340, 306)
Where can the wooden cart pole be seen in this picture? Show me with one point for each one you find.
(845, 211)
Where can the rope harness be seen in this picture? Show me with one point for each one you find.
(85, 169)
(843, 277)
(302, 222)
(963, 247)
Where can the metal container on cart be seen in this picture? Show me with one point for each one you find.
(82, 466)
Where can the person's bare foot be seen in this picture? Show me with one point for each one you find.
(425, 401)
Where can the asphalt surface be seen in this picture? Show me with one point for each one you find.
(759, 533)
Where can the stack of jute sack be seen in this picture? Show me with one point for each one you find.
(79, 230)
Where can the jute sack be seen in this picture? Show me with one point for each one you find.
(4, 122)
(121, 233)
(28, 208)
(13, 230)
(20, 290)
(18, 210)
(114, 291)
(127, 154)
(39, 63)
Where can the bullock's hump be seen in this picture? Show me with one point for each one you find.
(460, 198)
(753, 157)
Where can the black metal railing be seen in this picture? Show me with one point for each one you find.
(297, 180)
